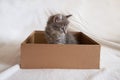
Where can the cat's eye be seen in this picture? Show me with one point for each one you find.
(57, 19)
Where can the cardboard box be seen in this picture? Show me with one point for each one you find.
(36, 53)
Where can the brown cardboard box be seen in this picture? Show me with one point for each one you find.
(36, 53)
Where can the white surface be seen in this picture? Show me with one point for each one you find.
(99, 19)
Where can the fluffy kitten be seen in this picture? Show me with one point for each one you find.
(56, 30)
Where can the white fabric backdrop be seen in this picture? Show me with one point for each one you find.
(99, 19)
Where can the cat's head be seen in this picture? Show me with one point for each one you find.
(60, 20)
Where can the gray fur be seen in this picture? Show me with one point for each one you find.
(56, 30)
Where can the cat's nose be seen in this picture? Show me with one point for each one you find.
(64, 30)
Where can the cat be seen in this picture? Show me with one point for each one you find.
(56, 31)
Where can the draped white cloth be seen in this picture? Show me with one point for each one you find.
(99, 19)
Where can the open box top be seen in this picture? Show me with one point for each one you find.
(37, 54)
(38, 37)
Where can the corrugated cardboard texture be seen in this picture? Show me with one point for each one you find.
(36, 53)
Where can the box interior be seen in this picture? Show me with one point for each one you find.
(38, 37)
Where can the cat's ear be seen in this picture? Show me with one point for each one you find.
(68, 16)
(57, 18)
